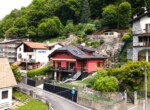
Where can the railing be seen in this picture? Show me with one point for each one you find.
(141, 32)
(143, 44)
(28, 60)
(63, 69)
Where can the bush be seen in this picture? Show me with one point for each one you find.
(89, 29)
(126, 36)
(40, 71)
(105, 83)
(101, 41)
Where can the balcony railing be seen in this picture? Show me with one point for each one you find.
(66, 69)
(141, 32)
(143, 44)
(28, 60)
(63, 69)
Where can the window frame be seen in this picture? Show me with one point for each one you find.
(4, 94)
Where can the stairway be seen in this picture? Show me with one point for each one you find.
(74, 77)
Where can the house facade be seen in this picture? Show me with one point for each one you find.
(8, 49)
(141, 37)
(32, 55)
(72, 60)
(7, 81)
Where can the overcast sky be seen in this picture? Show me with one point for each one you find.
(6, 6)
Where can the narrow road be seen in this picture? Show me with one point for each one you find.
(57, 102)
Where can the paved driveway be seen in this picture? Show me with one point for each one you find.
(57, 102)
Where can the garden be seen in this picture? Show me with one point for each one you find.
(22, 101)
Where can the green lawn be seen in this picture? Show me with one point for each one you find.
(20, 95)
(34, 105)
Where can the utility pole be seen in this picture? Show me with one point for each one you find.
(145, 84)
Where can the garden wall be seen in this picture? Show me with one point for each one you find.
(100, 105)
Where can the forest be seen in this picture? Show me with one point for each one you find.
(45, 19)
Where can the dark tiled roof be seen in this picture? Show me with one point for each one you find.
(77, 52)
(86, 48)
(137, 18)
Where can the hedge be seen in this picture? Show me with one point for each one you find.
(40, 71)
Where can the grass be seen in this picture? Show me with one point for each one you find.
(20, 95)
(34, 105)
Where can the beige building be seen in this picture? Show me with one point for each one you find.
(7, 81)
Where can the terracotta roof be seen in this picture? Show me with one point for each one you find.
(7, 78)
(36, 45)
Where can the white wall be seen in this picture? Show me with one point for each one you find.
(144, 20)
(40, 55)
(54, 48)
(8, 100)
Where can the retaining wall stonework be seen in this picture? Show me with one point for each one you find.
(100, 105)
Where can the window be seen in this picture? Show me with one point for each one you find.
(106, 33)
(4, 94)
(19, 49)
(111, 33)
(100, 64)
(147, 27)
(19, 56)
(30, 56)
(1, 49)
(140, 39)
(30, 67)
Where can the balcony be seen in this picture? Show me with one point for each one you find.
(28, 60)
(141, 32)
(63, 69)
(144, 44)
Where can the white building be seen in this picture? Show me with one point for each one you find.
(32, 55)
(141, 37)
(8, 49)
(7, 81)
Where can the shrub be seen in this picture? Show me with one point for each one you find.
(101, 41)
(89, 29)
(40, 71)
(126, 36)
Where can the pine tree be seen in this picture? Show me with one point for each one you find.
(85, 15)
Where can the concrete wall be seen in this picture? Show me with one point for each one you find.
(100, 105)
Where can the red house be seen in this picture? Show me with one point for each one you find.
(73, 61)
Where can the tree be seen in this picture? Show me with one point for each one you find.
(131, 74)
(85, 15)
(16, 72)
(110, 16)
(69, 28)
(48, 28)
(124, 15)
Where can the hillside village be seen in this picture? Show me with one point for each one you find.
(54, 61)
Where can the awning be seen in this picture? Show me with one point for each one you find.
(62, 59)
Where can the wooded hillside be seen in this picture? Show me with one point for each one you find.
(52, 18)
